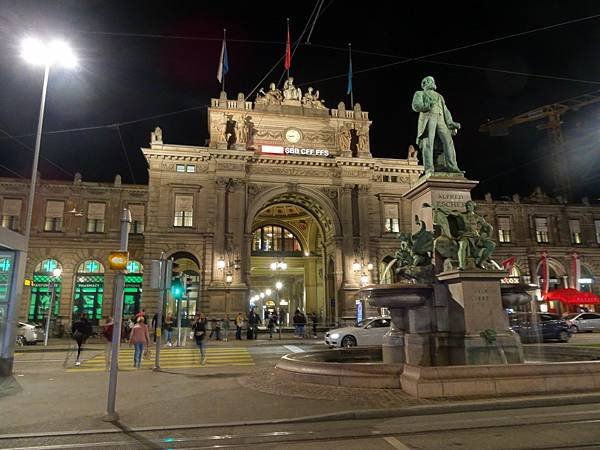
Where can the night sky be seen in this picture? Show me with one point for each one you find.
(142, 59)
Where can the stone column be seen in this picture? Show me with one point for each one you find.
(219, 229)
(347, 243)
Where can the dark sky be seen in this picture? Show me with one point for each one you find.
(124, 78)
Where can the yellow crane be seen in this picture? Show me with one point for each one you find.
(552, 115)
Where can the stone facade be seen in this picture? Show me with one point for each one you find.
(202, 202)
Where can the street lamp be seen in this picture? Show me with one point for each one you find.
(36, 52)
(56, 273)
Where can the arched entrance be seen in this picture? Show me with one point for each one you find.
(186, 268)
(291, 251)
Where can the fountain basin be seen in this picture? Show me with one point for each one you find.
(515, 295)
(354, 367)
(398, 295)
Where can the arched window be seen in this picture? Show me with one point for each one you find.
(275, 239)
(45, 286)
(89, 290)
(135, 267)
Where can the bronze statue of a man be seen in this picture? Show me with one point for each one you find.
(435, 121)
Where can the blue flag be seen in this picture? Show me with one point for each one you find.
(223, 63)
(349, 89)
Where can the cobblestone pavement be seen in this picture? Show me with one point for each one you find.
(265, 380)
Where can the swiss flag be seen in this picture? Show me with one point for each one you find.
(509, 263)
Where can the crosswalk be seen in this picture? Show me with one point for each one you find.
(173, 358)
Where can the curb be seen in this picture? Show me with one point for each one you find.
(421, 410)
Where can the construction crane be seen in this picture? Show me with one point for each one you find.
(552, 113)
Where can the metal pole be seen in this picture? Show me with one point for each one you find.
(111, 414)
(52, 290)
(179, 321)
(161, 302)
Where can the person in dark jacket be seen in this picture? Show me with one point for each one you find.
(199, 330)
(82, 330)
(313, 318)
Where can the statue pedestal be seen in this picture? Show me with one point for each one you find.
(441, 189)
(474, 311)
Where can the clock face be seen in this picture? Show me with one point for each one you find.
(292, 135)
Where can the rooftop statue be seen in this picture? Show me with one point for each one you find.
(291, 92)
(311, 99)
(435, 128)
(272, 97)
(464, 236)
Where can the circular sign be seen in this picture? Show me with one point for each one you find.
(293, 135)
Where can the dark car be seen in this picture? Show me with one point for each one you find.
(539, 327)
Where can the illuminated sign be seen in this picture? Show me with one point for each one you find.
(118, 260)
(279, 150)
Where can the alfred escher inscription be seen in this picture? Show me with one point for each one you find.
(450, 199)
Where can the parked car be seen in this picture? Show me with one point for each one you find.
(28, 333)
(364, 333)
(536, 327)
(583, 322)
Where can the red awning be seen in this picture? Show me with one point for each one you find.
(569, 295)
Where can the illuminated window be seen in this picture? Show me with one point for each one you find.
(541, 230)
(391, 215)
(184, 211)
(575, 230)
(190, 168)
(275, 239)
(134, 267)
(180, 167)
(54, 215)
(11, 213)
(95, 217)
(504, 229)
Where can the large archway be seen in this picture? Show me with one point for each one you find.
(184, 305)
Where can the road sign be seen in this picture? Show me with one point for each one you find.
(118, 260)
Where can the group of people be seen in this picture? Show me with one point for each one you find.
(300, 321)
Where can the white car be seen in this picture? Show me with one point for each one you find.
(28, 333)
(364, 333)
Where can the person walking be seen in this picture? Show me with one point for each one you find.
(313, 318)
(169, 329)
(82, 330)
(215, 331)
(139, 339)
(297, 320)
(239, 323)
(271, 325)
(107, 332)
(199, 330)
(225, 327)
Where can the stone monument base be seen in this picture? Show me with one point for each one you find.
(496, 380)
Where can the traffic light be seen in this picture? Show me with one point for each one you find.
(188, 284)
(176, 288)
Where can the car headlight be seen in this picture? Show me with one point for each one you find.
(334, 335)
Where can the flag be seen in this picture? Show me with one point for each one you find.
(223, 63)
(349, 89)
(575, 270)
(288, 51)
(509, 263)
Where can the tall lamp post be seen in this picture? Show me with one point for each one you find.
(49, 54)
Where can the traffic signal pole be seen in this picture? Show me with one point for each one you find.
(161, 303)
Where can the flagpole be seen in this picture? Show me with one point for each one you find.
(287, 43)
(224, 43)
(350, 75)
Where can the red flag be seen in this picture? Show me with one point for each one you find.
(575, 270)
(288, 51)
(509, 263)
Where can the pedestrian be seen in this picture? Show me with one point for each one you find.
(313, 318)
(107, 332)
(215, 331)
(272, 324)
(253, 320)
(142, 313)
(154, 324)
(297, 319)
(82, 330)
(169, 329)
(139, 339)
(239, 322)
(199, 330)
(225, 327)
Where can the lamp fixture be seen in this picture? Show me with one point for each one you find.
(221, 263)
(278, 265)
(228, 278)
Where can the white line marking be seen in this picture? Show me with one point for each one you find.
(395, 443)
(294, 349)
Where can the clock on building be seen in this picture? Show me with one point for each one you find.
(293, 135)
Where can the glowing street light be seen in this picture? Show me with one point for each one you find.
(279, 285)
(268, 291)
